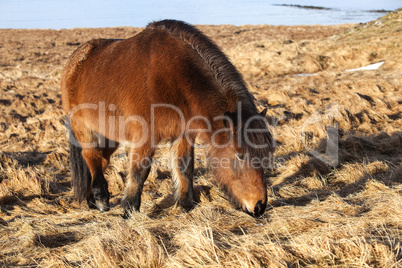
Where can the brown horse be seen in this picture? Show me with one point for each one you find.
(169, 82)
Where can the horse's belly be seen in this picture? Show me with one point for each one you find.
(152, 125)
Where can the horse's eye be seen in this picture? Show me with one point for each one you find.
(241, 157)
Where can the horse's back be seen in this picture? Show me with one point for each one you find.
(153, 67)
(73, 69)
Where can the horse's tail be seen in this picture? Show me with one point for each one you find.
(227, 76)
(80, 174)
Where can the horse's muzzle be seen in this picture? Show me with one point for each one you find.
(259, 209)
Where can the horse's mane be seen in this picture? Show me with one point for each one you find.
(228, 78)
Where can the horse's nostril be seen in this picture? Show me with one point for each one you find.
(259, 209)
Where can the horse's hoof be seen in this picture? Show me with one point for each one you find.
(98, 204)
(126, 215)
(187, 205)
(102, 206)
(91, 202)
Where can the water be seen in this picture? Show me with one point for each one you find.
(56, 14)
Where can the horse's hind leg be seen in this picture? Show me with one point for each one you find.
(141, 160)
(182, 158)
(95, 186)
(99, 196)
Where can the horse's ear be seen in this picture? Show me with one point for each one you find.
(264, 112)
(228, 121)
(228, 114)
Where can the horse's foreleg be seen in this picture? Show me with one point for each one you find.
(140, 168)
(182, 173)
(107, 151)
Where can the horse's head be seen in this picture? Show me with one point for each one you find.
(238, 159)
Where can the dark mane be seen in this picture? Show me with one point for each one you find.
(229, 79)
(256, 140)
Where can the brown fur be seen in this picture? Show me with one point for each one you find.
(172, 63)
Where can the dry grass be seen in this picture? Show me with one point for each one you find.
(349, 215)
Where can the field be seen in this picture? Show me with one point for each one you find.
(334, 195)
